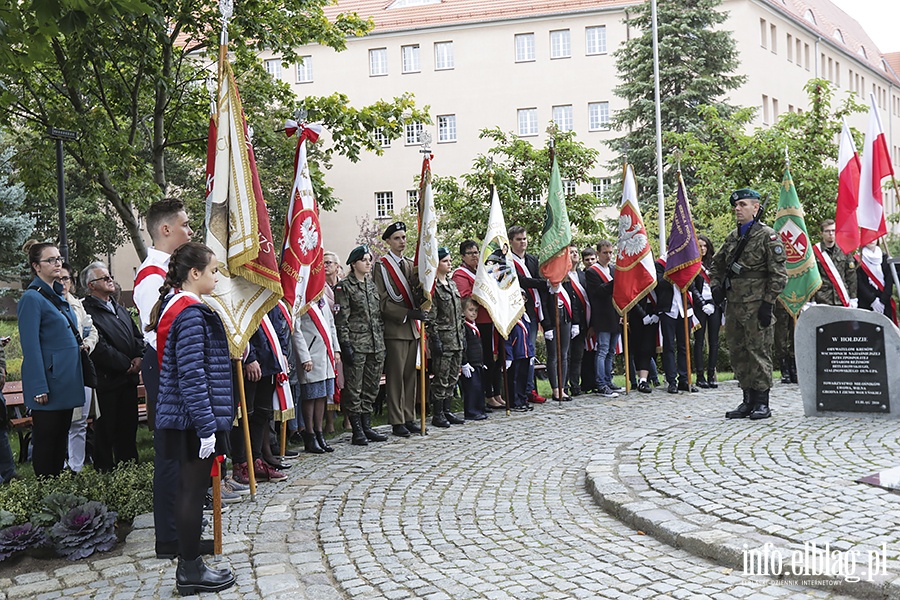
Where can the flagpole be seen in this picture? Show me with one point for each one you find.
(627, 354)
(217, 505)
(661, 203)
(245, 425)
(687, 338)
(422, 377)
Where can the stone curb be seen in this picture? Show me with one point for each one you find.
(627, 496)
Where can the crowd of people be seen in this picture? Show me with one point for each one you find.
(85, 357)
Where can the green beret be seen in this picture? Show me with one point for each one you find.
(742, 194)
(392, 229)
(443, 253)
(357, 254)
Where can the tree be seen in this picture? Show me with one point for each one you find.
(130, 79)
(725, 157)
(695, 62)
(15, 225)
(521, 174)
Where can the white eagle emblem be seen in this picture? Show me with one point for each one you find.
(631, 241)
(309, 236)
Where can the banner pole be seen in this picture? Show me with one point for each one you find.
(559, 356)
(245, 425)
(626, 353)
(687, 339)
(218, 461)
(422, 377)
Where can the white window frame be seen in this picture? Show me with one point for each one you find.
(562, 116)
(378, 62)
(524, 47)
(570, 188)
(598, 116)
(384, 204)
(382, 140)
(600, 187)
(560, 44)
(530, 120)
(446, 128)
(410, 58)
(443, 56)
(414, 133)
(273, 68)
(305, 69)
(412, 199)
(595, 40)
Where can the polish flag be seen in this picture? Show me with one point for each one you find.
(876, 165)
(847, 226)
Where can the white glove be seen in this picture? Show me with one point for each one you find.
(709, 309)
(854, 303)
(576, 329)
(531, 360)
(878, 305)
(207, 446)
(650, 319)
(508, 363)
(548, 335)
(467, 370)
(807, 305)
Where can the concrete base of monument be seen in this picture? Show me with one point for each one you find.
(842, 356)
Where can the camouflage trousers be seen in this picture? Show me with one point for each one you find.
(362, 378)
(750, 345)
(784, 334)
(446, 373)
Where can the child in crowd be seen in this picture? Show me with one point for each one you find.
(519, 354)
(473, 365)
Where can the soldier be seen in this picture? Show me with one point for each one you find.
(400, 292)
(838, 271)
(447, 340)
(751, 281)
(360, 334)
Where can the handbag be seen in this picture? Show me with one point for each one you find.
(88, 370)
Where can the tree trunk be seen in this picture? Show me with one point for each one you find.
(125, 212)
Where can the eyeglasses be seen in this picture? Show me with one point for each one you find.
(53, 260)
(470, 253)
(106, 279)
(65, 279)
(330, 262)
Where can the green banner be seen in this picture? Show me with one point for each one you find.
(803, 273)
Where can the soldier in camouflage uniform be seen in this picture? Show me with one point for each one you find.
(751, 296)
(360, 333)
(844, 269)
(446, 341)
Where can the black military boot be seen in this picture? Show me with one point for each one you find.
(793, 370)
(701, 381)
(371, 434)
(451, 418)
(193, 576)
(761, 406)
(711, 379)
(320, 437)
(438, 419)
(359, 436)
(742, 411)
(785, 370)
(311, 444)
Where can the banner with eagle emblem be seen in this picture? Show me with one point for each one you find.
(635, 269)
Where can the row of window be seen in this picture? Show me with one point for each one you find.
(385, 206)
(775, 110)
(561, 43)
(304, 69)
(410, 61)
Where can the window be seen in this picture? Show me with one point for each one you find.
(837, 73)
(273, 68)
(862, 52)
(443, 56)
(410, 58)
(763, 31)
(569, 188)
(524, 47)
(600, 187)
(806, 56)
(560, 44)
(412, 199)
(378, 62)
(562, 116)
(446, 128)
(598, 116)
(381, 138)
(790, 48)
(413, 134)
(838, 35)
(774, 109)
(528, 124)
(809, 16)
(773, 38)
(305, 69)
(765, 109)
(384, 204)
(799, 50)
(595, 39)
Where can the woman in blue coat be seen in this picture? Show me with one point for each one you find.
(194, 408)
(51, 359)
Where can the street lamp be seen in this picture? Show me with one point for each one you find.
(61, 135)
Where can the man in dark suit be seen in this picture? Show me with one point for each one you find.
(536, 295)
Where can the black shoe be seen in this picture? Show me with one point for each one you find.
(686, 388)
(453, 419)
(400, 430)
(320, 437)
(615, 388)
(520, 408)
(742, 411)
(295, 439)
(644, 387)
(701, 382)
(761, 407)
(288, 453)
(310, 444)
(673, 388)
(279, 465)
(477, 418)
(575, 392)
(208, 505)
(439, 420)
(785, 370)
(412, 427)
(711, 380)
(359, 436)
(371, 434)
(193, 576)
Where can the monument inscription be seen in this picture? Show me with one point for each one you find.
(851, 367)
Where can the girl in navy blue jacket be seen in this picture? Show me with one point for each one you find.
(195, 401)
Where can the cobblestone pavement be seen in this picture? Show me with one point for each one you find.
(508, 508)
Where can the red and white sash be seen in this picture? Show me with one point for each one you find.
(282, 398)
(318, 319)
(523, 270)
(604, 276)
(147, 271)
(393, 271)
(465, 273)
(286, 313)
(565, 301)
(831, 271)
(178, 303)
(877, 279)
(473, 327)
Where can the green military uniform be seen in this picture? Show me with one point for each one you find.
(845, 267)
(359, 326)
(784, 344)
(445, 324)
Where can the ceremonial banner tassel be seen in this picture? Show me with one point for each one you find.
(635, 269)
(557, 236)
(803, 273)
(876, 165)
(683, 260)
(238, 228)
(302, 255)
(496, 285)
(846, 224)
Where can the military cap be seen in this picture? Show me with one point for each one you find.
(357, 254)
(392, 229)
(443, 252)
(742, 194)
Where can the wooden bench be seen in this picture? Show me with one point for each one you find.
(20, 420)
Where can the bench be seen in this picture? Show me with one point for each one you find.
(20, 420)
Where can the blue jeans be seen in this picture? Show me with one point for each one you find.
(606, 352)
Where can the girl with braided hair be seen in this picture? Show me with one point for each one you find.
(194, 410)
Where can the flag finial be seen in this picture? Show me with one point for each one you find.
(300, 115)
(787, 159)
(425, 138)
(490, 164)
(677, 153)
(226, 8)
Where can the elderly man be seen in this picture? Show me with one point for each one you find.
(117, 358)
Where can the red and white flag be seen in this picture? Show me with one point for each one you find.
(635, 270)
(846, 225)
(876, 165)
(427, 248)
(302, 256)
